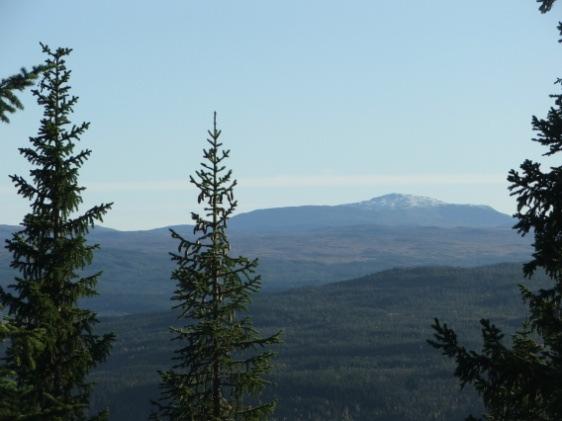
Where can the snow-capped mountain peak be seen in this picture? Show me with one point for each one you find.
(397, 201)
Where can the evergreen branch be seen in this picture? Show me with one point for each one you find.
(545, 5)
(9, 102)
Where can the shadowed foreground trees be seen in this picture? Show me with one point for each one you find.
(220, 364)
(48, 373)
(524, 381)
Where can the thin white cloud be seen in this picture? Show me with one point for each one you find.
(367, 180)
(303, 181)
(150, 185)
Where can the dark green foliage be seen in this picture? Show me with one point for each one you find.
(9, 102)
(219, 364)
(9, 392)
(524, 381)
(52, 346)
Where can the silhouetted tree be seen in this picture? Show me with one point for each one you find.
(220, 367)
(9, 102)
(524, 381)
(48, 372)
(545, 5)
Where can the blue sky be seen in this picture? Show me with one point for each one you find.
(321, 102)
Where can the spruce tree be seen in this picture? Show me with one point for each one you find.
(523, 381)
(220, 364)
(51, 255)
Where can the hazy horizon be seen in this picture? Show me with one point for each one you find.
(321, 102)
(189, 222)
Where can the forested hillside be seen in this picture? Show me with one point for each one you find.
(356, 347)
(136, 264)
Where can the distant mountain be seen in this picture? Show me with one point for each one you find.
(397, 201)
(136, 264)
(392, 209)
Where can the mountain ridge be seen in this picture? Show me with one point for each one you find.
(136, 264)
(392, 209)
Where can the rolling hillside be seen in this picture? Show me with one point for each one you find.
(136, 264)
(355, 347)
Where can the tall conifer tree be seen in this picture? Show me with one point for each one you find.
(51, 253)
(524, 381)
(220, 365)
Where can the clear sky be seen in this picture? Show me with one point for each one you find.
(321, 101)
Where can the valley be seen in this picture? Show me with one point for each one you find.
(356, 347)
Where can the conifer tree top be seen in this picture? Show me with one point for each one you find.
(221, 364)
